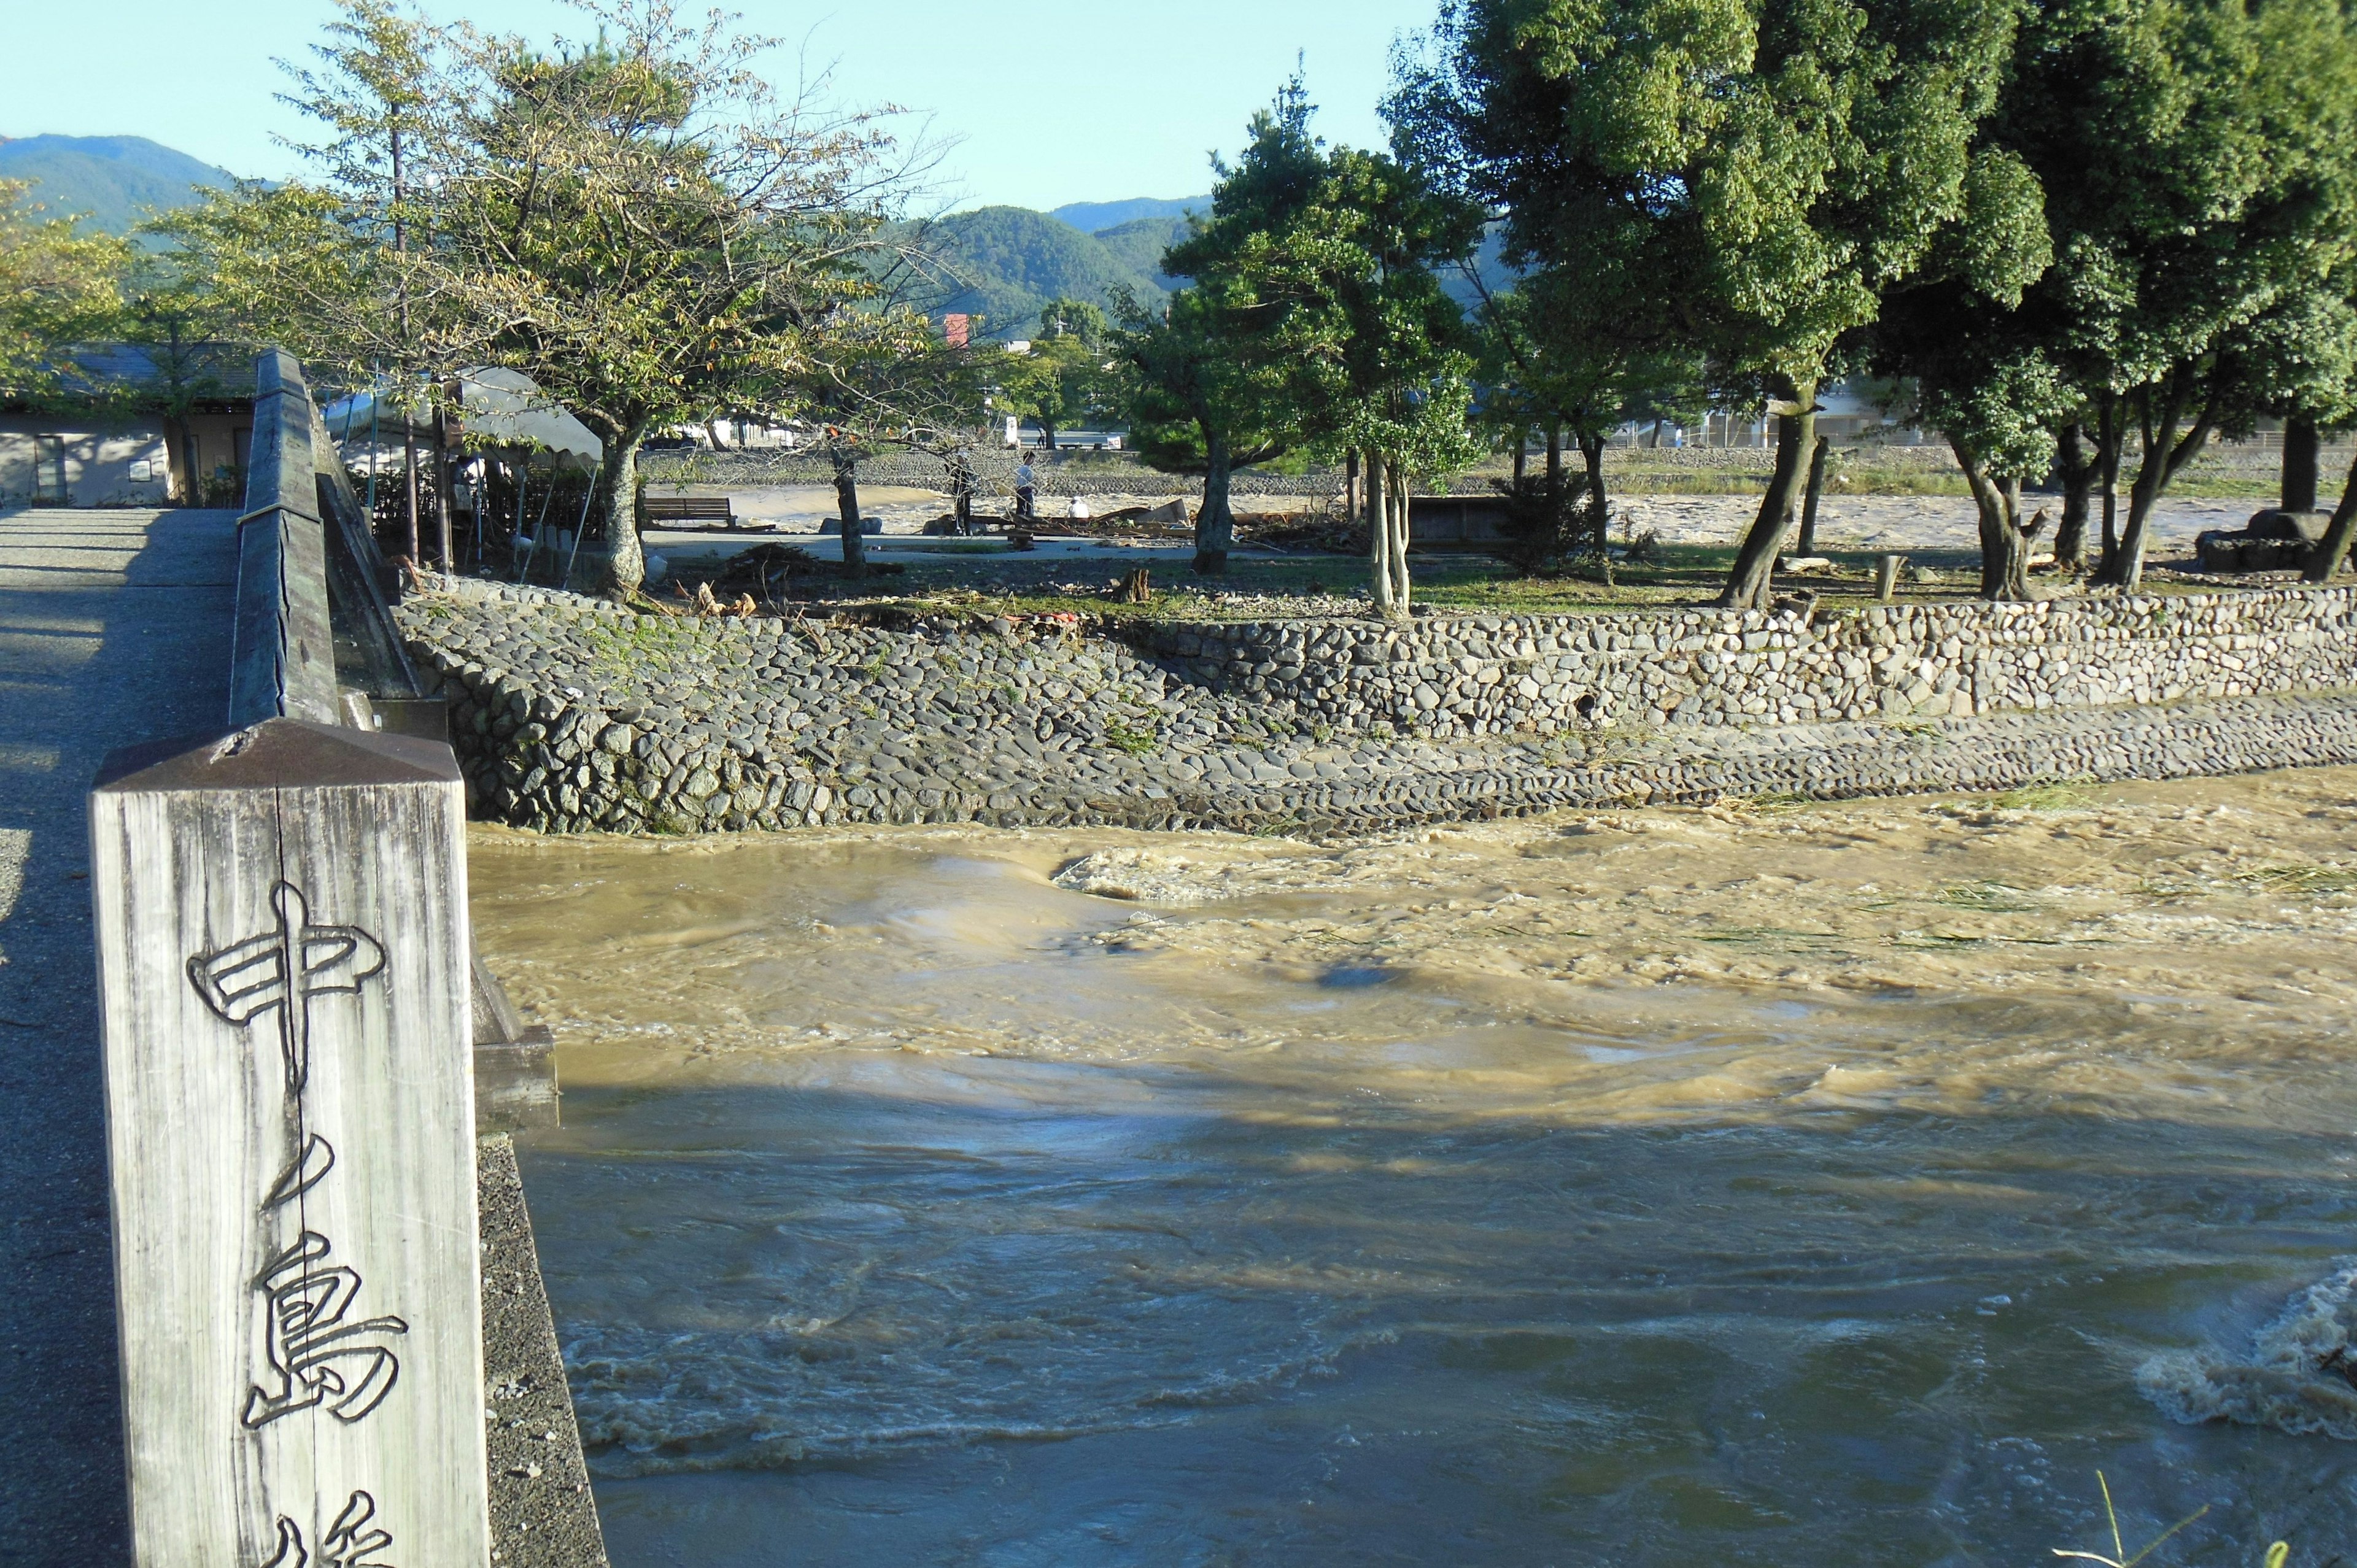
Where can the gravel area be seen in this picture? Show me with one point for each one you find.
(542, 1514)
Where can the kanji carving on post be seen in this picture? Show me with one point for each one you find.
(320, 1357)
(349, 1542)
(281, 969)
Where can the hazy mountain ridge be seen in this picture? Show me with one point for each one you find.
(113, 182)
(1096, 217)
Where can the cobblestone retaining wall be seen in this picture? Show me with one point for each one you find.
(569, 715)
(1495, 676)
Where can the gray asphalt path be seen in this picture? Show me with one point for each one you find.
(114, 629)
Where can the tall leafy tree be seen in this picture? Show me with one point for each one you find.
(1204, 398)
(1561, 353)
(1213, 390)
(1374, 347)
(2196, 161)
(1063, 377)
(1759, 174)
(1985, 369)
(1313, 312)
(640, 223)
(193, 344)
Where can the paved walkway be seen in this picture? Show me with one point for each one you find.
(114, 629)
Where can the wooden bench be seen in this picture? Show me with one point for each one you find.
(693, 511)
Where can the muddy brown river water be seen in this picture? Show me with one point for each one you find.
(1815, 1185)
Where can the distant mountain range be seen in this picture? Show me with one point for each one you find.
(115, 180)
(1003, 263)
(1096, 217)
(999, 263)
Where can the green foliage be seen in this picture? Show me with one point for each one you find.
(2199, 161)
(639, 224)
(1376, 349)
(1762, 172)
(1312, 316)
(1191, 398)
(1134, 741)
(57, 287)
(1747, 179)
(1065, 378)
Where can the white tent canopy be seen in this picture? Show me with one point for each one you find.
(504, 414)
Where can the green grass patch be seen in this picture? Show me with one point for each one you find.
(1990, 897)
(2316, 881)
(2045, 798)
(1136, 742)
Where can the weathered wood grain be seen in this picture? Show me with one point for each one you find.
(292, 1150)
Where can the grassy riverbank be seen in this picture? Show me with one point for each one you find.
(2238, 471)
(1676, 576)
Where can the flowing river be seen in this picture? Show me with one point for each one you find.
(1806, 1185)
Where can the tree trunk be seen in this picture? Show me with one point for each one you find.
(1600, 515)
(2302, 443)
(1755, 562)
(846, 507)
(1400, 512)
(191, 494)
(2005, 548)
(1215, 525)
(962, 497)
(1817, 488)
(618, 486)
(1522, 457)
(1379, 536)
(1350, 482)
(2165, 452)
(409, 479)
(2333, 548)
(1046, 436)
(442, 490)
(2110, 433)
(1554, 464)
(713, 427)
(2077, 471)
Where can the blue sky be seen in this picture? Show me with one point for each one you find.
(1087, 103)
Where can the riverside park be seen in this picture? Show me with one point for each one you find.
(1605, 820)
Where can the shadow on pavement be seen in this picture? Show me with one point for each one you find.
(114, 628)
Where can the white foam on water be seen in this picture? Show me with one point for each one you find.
(2297, 1377)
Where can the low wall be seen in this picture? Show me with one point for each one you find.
(569, 715)
(1498, 676)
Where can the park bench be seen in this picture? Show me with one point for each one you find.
(692, 512)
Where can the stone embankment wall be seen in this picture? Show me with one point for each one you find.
(570, 715)
(1498, 676)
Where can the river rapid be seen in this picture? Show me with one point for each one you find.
(1765, 1184)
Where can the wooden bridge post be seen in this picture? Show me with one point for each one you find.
(284, 969)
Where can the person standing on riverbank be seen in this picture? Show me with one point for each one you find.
(1025, 495)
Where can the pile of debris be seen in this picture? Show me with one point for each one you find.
(2273, 541)
(1320, 533)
